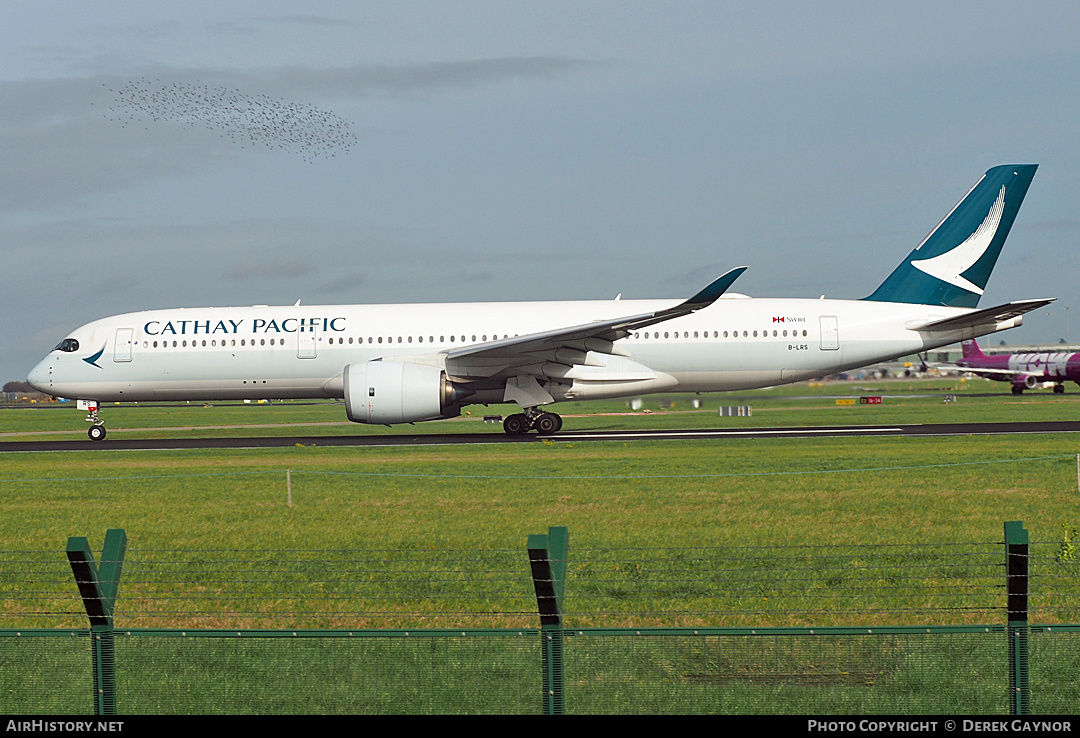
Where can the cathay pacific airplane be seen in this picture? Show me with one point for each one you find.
(407, 363)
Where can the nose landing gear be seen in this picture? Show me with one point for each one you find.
(97, 430)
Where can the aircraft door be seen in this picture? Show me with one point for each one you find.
(122, 346)
(830, 333)
(307, 338)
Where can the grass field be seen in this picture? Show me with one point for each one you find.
(685, 494)
(662, 533)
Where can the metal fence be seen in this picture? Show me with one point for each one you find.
(919, 629)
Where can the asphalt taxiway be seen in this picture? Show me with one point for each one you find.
(429, 439)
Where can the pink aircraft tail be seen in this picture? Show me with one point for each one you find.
(971, 350)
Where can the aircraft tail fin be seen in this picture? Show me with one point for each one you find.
(971, 350)
(952, 265)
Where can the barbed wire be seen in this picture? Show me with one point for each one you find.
(892, 583)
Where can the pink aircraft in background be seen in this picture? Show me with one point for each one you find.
(1023, 371)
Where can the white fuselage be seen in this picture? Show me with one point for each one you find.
(301, 351)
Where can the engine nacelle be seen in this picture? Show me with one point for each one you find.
(387, 392)
(1026, 381)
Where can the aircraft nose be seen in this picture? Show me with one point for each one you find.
(40, 377)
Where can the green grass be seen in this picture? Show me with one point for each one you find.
(700, 494)
(645, 493)
(913, 673)
(661, 533)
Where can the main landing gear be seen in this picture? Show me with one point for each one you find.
(544, 423)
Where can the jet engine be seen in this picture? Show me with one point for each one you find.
(1026, 381)
(387, 392)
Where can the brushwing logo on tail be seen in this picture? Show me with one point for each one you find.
(950, 266)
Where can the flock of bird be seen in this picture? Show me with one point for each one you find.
(245, 120)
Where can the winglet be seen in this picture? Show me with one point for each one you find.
(702, 299)
(710, 294)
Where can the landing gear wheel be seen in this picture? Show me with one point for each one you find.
(547, 424)
(96, 432)
(516, 424)
(1059, 389)
(558, 422)
(1018, 390)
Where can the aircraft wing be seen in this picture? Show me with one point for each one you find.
(568, 346)
(987, 370)
(986, 316)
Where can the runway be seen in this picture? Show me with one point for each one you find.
(496, 436)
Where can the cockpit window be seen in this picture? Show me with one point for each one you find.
(68, 344)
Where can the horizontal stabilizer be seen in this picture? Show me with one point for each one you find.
(986, 316)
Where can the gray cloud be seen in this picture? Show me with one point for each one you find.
(270, 270)
(346, 283)
(302, 20)
(62, 140)
(1063, 225)
(414, 78)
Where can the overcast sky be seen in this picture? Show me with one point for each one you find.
(205, 153)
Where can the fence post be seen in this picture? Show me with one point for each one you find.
(547, 560)
(98, 587)
(1016, 585)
